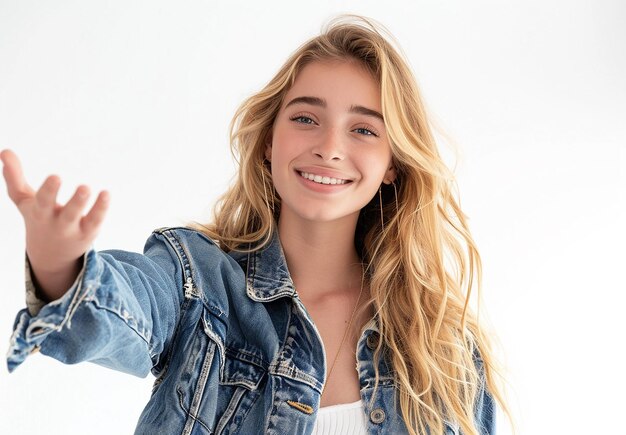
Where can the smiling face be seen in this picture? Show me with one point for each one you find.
(329, 148)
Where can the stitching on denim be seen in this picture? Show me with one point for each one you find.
(288, 371)
(230, 410)
(307, 409)
(208, 330)
(216, 311)
(183, 310)
(182, 254)
(251, 267)
(246, 356)
(132, 325)
(79, 296)
(182, 406)
(242, 412)
(196, 399)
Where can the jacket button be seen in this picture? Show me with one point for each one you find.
(372, 340)
(377, 416)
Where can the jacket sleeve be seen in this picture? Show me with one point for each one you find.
(121, 312)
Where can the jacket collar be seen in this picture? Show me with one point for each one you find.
(267, 275)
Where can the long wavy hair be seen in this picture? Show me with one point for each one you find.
(422, 262)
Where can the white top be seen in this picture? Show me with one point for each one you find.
(342, 419)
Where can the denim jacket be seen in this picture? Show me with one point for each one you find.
(229, 341)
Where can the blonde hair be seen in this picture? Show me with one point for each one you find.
(422, 264)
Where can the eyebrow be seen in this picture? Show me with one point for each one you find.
(315, 101)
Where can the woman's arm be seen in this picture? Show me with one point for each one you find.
(120, 312)
(115, 308)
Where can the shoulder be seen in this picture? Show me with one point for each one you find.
(183, 233)
(193, 241)
(207, 268)
(186, 242)
(197, 253)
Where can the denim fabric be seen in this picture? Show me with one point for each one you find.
(230, 343)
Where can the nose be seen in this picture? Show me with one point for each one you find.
(331, 146)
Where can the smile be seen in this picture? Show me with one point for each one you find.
(322, 180)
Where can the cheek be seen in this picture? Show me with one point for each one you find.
(280, 158)
(283, 153)
(284, 145)
(375, 166)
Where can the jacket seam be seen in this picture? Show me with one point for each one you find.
(183, 309)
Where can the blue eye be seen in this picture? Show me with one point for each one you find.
(302, 119)
(365, 131)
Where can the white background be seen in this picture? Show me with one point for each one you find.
(135, 97)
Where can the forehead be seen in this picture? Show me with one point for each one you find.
(337, 82)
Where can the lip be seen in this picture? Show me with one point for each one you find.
(320, 188)
(323, 172)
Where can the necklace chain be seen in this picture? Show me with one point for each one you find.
(345, 333)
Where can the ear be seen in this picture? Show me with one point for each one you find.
(390, 174)
(268, 146)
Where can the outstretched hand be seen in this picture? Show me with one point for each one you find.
(56, 235)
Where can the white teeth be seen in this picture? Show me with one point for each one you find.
(322, 180)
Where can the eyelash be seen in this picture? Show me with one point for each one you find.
(372, 131)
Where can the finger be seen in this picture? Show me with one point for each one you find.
(93, 219)
(46, 196)
(17, 187)
(75, 205)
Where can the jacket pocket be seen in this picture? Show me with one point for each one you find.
(239, 388)
(196, 356)
(215, 390)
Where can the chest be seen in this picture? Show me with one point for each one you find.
(339, 331)
(261, 371)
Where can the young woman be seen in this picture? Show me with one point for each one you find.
(329, 294)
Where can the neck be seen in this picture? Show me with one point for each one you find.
(321, 256)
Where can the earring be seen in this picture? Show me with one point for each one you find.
(395, 193)
(271, 209)
(380, 201)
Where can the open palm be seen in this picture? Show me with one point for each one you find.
(56, 235)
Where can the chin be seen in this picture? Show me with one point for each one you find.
(322, 214)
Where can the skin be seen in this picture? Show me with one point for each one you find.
(316, 228)
(316, 225)
(57, 235)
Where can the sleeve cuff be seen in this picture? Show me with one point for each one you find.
(34, 300)
(40, 318)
